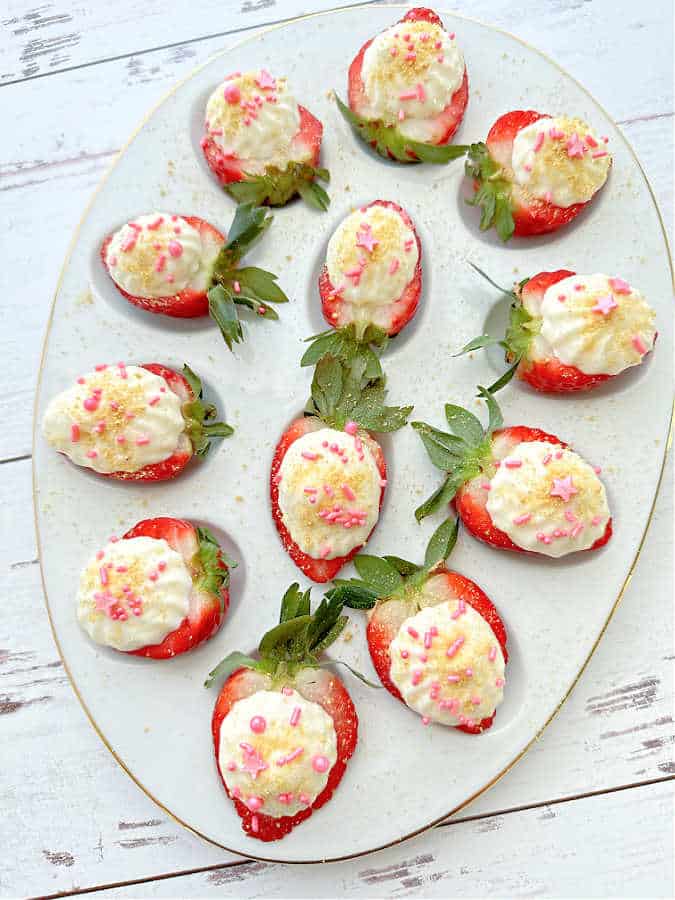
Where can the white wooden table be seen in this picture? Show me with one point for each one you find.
(589, 811)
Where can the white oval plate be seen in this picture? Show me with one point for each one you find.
(155, 717)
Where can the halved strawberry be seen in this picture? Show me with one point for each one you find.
(274, 186)
(210, 571)
(223, 285)
(341, 399)
(507, 205)
(531, 359)
(470, 456)
(199, 427)
(384, 136)
(288, 661)
(393, 589)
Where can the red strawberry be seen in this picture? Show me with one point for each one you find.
(223, 285)
(210, 573)
(288, 660)
(384, 136)
(507, 205)
(393, 589)
(541, 369)
(470, 457)
(199, 427)
(344, 400)
(401, 310)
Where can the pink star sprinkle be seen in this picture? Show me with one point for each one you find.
(253, 762)
(619, 286)
(575, 146)
(366, 240)
(265, 81)
(605, 305)
(563, 488)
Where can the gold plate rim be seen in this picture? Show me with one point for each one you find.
(629, 575)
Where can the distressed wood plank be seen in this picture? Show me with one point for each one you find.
(616, 729)
(619, 846)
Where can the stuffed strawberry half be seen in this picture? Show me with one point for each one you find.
(159, 591)
(516, 488)
(283, 727)
(261, 145)
(570, 332)
(408, 90)
(328, 473)
(435, 639)
(535, 172)
(370, 284)
(136, 423)
(183, 267)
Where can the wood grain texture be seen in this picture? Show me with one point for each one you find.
(72, 818)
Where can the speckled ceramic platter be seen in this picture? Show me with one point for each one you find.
(155, 717)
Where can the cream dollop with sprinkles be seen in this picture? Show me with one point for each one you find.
(160, 255)
(254, 119)
(597, 323)
(329, 492)
(116, 419)
(276, 751)
(133, 593)
(446, 661)
(410, 73)
(548, 499)
(560, 160)
(371, 258)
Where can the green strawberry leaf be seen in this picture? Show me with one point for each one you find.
(504, 379)
(198, 417)
(355, 672)
(388, 141)
(441, 543)
(492, 194)
(440, 497)
(346, 344)
(260, 284)
(378, 574)
(479, 343)
(353, 593)
(444, 450)
(214, 564)
(402, 566)
(248, 226)
(295, 603)
(277, 186)
(224, 313)
(496, 419)
(229, 665)
(464, 424)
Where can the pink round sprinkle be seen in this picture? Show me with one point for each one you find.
(161, 566)
(92, 454)
(254, 803)
(304, 799)
(91, 404)
(426, 720)
(231, 93)
(232, 766)
(175, 248)
(258, 724)
(320, 763)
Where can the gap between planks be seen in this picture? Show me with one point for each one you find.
(164, 876)
(170, 46)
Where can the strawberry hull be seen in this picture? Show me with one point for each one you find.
(186, 304)
(328, 692)
(405, 306)
(383, 628)
(206, 611)
(319, 570)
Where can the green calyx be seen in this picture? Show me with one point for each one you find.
(343, 392)
(388, 141)
(250, 287)
(347, 344)
(390, 577)
(521, 329)
(212, 565)
(199, 416)
(277, 186)
(462, 454)
(295, 643)
(493, 192)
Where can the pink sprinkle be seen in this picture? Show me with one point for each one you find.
(348, 492)
(428, 638)
(548, 196)
(100, 367)
(383, 482)
(513, 463)
(454, 647)
(527, 167)
(175, 248)
(423, 657)
(236, 792)
(591, 141)
(598, 154)
(408, 245)
(416, 677)
(476, 700)
(424, 37)
(91, 404)
(619, 286)
(285, 798)
(452, 35)
(320, 763)
(393, 51)
(421, 94)
(440, 58)
(486, 486)
(307, 455)
(177, 228)
(92, 454)
(570, 517)
(597, 469)
(121, 568)
(258, 724)
(453, 679)
(547, 459)
(556, 133)
(295, 716)
(161, 566)
(538, 143)
(231, 93)
(265, 81)
(142, 440)
(414, 634)
(411, 57)
(160, 263)
(100, 554)
(408, 95)
(304, 799)
(639, 344)
(74, 433)
(153, 226)
(288, 692)
(351, 428)
(404, 654)
(438, 45)
(561, 298)
(232, 766)
(575, 147)
(499, 682)
(254, 803)
(255, 824)
(406, 37)
(294, 754)
(523, 519)
(596, 520)
(604, 139)
(153, 401)
(120, 439)
(394, 265)
(81, 380)
(558, 454)
(103, 575)
(426, 720)
(153, 576)
(461, 609)
(576, 531)
(492, 655)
